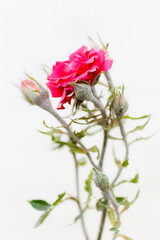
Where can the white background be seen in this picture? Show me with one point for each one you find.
(41, 32)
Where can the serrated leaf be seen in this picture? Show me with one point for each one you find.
(95, 149)
(58, 200)
(139, 128)
(125, 163)
(40, 205)
(43, 217)
(111, 216)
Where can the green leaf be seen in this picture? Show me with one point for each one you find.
(140, 127)
(43, 217)
(44, 206)
(141, 139)
(80, 134)
(58, 200)
(121, 200)
(82, 161)
(40, 205)
(128, 204)
(125, 163)
(136, 118)
(111, 216)
(101, 204)
(114, 138)
(88, 187)
(135, 179)
(73, 147)
(114, 229)
(95, 149)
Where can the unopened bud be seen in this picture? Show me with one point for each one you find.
(33, 92)
(82, 91)
(101, 180)
(120, 105)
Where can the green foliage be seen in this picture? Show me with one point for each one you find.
(114, 229)
(81, 162)
(125, 163)
(141, 139)
(133, 180)
(72, 147)
(140, 127)
(43, 217)
(101, 204)
(58, 200)
(128, 204)
(88, 186)
(95, 149)
(121, 200)
(112, 217)
(136, 118)
(40, 205)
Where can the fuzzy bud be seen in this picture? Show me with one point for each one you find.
(101, 180)
(33, 92)
(120, 105)
(82, 91)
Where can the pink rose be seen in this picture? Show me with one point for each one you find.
(83, 65)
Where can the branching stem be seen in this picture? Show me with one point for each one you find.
(99, 105)
(46, 105)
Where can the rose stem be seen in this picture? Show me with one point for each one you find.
(78, 196)
(46, 105)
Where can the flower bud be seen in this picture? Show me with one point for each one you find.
(33, 92)
(82, 91)
(101, 180)
(119, 105)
